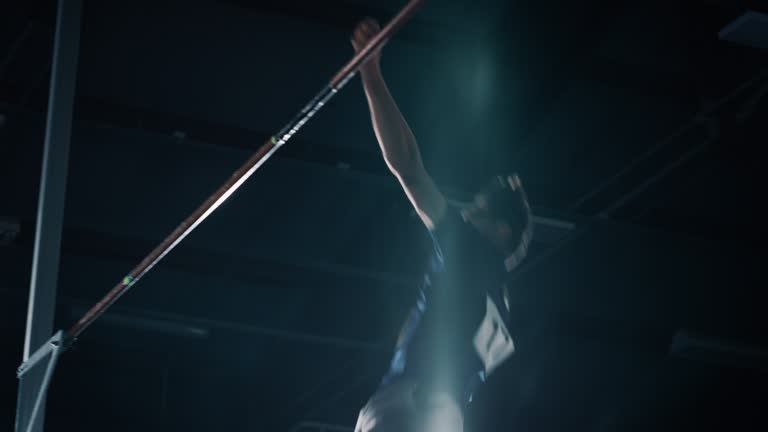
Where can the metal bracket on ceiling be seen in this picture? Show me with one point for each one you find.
(9, 231)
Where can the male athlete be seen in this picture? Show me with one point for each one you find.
(458, 331)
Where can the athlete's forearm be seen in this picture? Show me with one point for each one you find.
(398, 145)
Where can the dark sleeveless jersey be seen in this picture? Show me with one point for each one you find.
(436, 346)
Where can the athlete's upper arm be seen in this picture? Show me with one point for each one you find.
(426, 198)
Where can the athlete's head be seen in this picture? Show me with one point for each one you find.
(501, 213)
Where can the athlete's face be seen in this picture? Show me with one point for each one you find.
(493, 226)
(495, 230)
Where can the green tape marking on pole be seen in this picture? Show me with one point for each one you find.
(128, 280)
(273, 139)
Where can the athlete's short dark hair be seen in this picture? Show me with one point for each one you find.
(505, 199)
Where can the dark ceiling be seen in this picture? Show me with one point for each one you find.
(637, 131)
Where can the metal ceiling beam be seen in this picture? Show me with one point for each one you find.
(165, 126)
(200, 328)
(17, 43)
(718, 351)
(713, 130)
(89, 243)
(92, 244)
(704, 116)
(308, 426)
(106, 115)
(578, 48)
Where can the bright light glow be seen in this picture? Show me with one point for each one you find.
(444, 415)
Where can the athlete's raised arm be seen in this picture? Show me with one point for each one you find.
(398, 145)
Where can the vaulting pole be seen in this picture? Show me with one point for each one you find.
(246, 170)
(31, 402)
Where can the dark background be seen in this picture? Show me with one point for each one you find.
(630, 120)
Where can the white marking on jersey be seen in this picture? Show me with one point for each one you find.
(492, 340)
